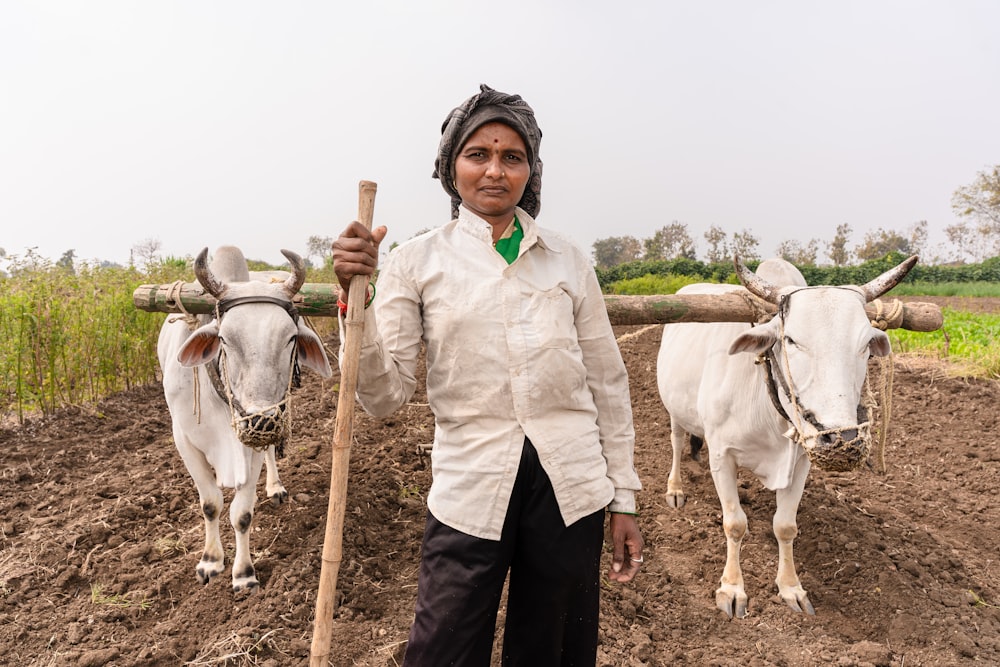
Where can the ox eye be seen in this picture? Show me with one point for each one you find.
(789, 342)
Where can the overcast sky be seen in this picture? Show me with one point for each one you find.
(203, 123)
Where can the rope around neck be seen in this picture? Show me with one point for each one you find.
(886, 369)
(174, 298)
(890, 317)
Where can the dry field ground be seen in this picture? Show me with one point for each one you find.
(100, 533)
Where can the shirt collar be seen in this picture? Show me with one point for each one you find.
(479, 228)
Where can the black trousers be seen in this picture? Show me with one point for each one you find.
(552, 598)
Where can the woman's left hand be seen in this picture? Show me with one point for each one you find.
(627, 557)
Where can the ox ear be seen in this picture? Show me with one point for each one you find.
(311, 352)
(755, 340)
(879, 345)
(201, 347)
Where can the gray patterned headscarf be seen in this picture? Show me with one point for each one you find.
(489, 106)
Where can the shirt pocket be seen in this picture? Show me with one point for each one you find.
(550, 313)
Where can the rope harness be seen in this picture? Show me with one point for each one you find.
(191, 320)
(884, 319)
(268, 426)
(842, 454)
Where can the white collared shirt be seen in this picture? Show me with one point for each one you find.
(515, 350)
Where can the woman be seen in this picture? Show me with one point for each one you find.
(533, 425)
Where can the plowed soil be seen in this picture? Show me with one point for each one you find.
(100, 532)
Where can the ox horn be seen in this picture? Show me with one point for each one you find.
(757, 285)
(876, 287)
(205, 277)
(298, 277)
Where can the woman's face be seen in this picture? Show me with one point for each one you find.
(491, 172)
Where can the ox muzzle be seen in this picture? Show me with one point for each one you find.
(270, 426)
(839, 449)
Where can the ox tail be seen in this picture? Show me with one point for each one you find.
(696, 445)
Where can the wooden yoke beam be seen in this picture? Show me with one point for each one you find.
(320, 300)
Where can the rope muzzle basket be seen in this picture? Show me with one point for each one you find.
(269, 426)
(838, 454)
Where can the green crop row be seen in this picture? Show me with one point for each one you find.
(70, 337)
(969, 341)
(985, 272)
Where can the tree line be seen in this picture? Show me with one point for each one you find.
(851, 274)
(974, 238)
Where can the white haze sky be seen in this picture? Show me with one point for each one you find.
(200, 123)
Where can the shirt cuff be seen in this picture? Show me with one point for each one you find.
(623, 502)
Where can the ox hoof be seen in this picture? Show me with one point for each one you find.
(205, 575)
(209, 568)
(244, 589)
(245, 580)
(279, 497)
(732, 604)
(801, 604)
(796, 598)
(676, 499)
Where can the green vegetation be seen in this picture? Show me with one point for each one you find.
(977, 601)
(170, 546)
(970, 341)
(408, 491)
(97, 596)
(720, 272)
(973, 289)
(650, 284)
(70, 335)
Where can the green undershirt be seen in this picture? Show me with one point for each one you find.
(510, 246)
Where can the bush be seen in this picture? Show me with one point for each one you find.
(650, 284)
(986, 272)
(69, 336)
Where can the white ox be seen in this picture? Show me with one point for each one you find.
(819, 343)
(252, 345)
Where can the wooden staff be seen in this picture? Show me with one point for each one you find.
(354, 323)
